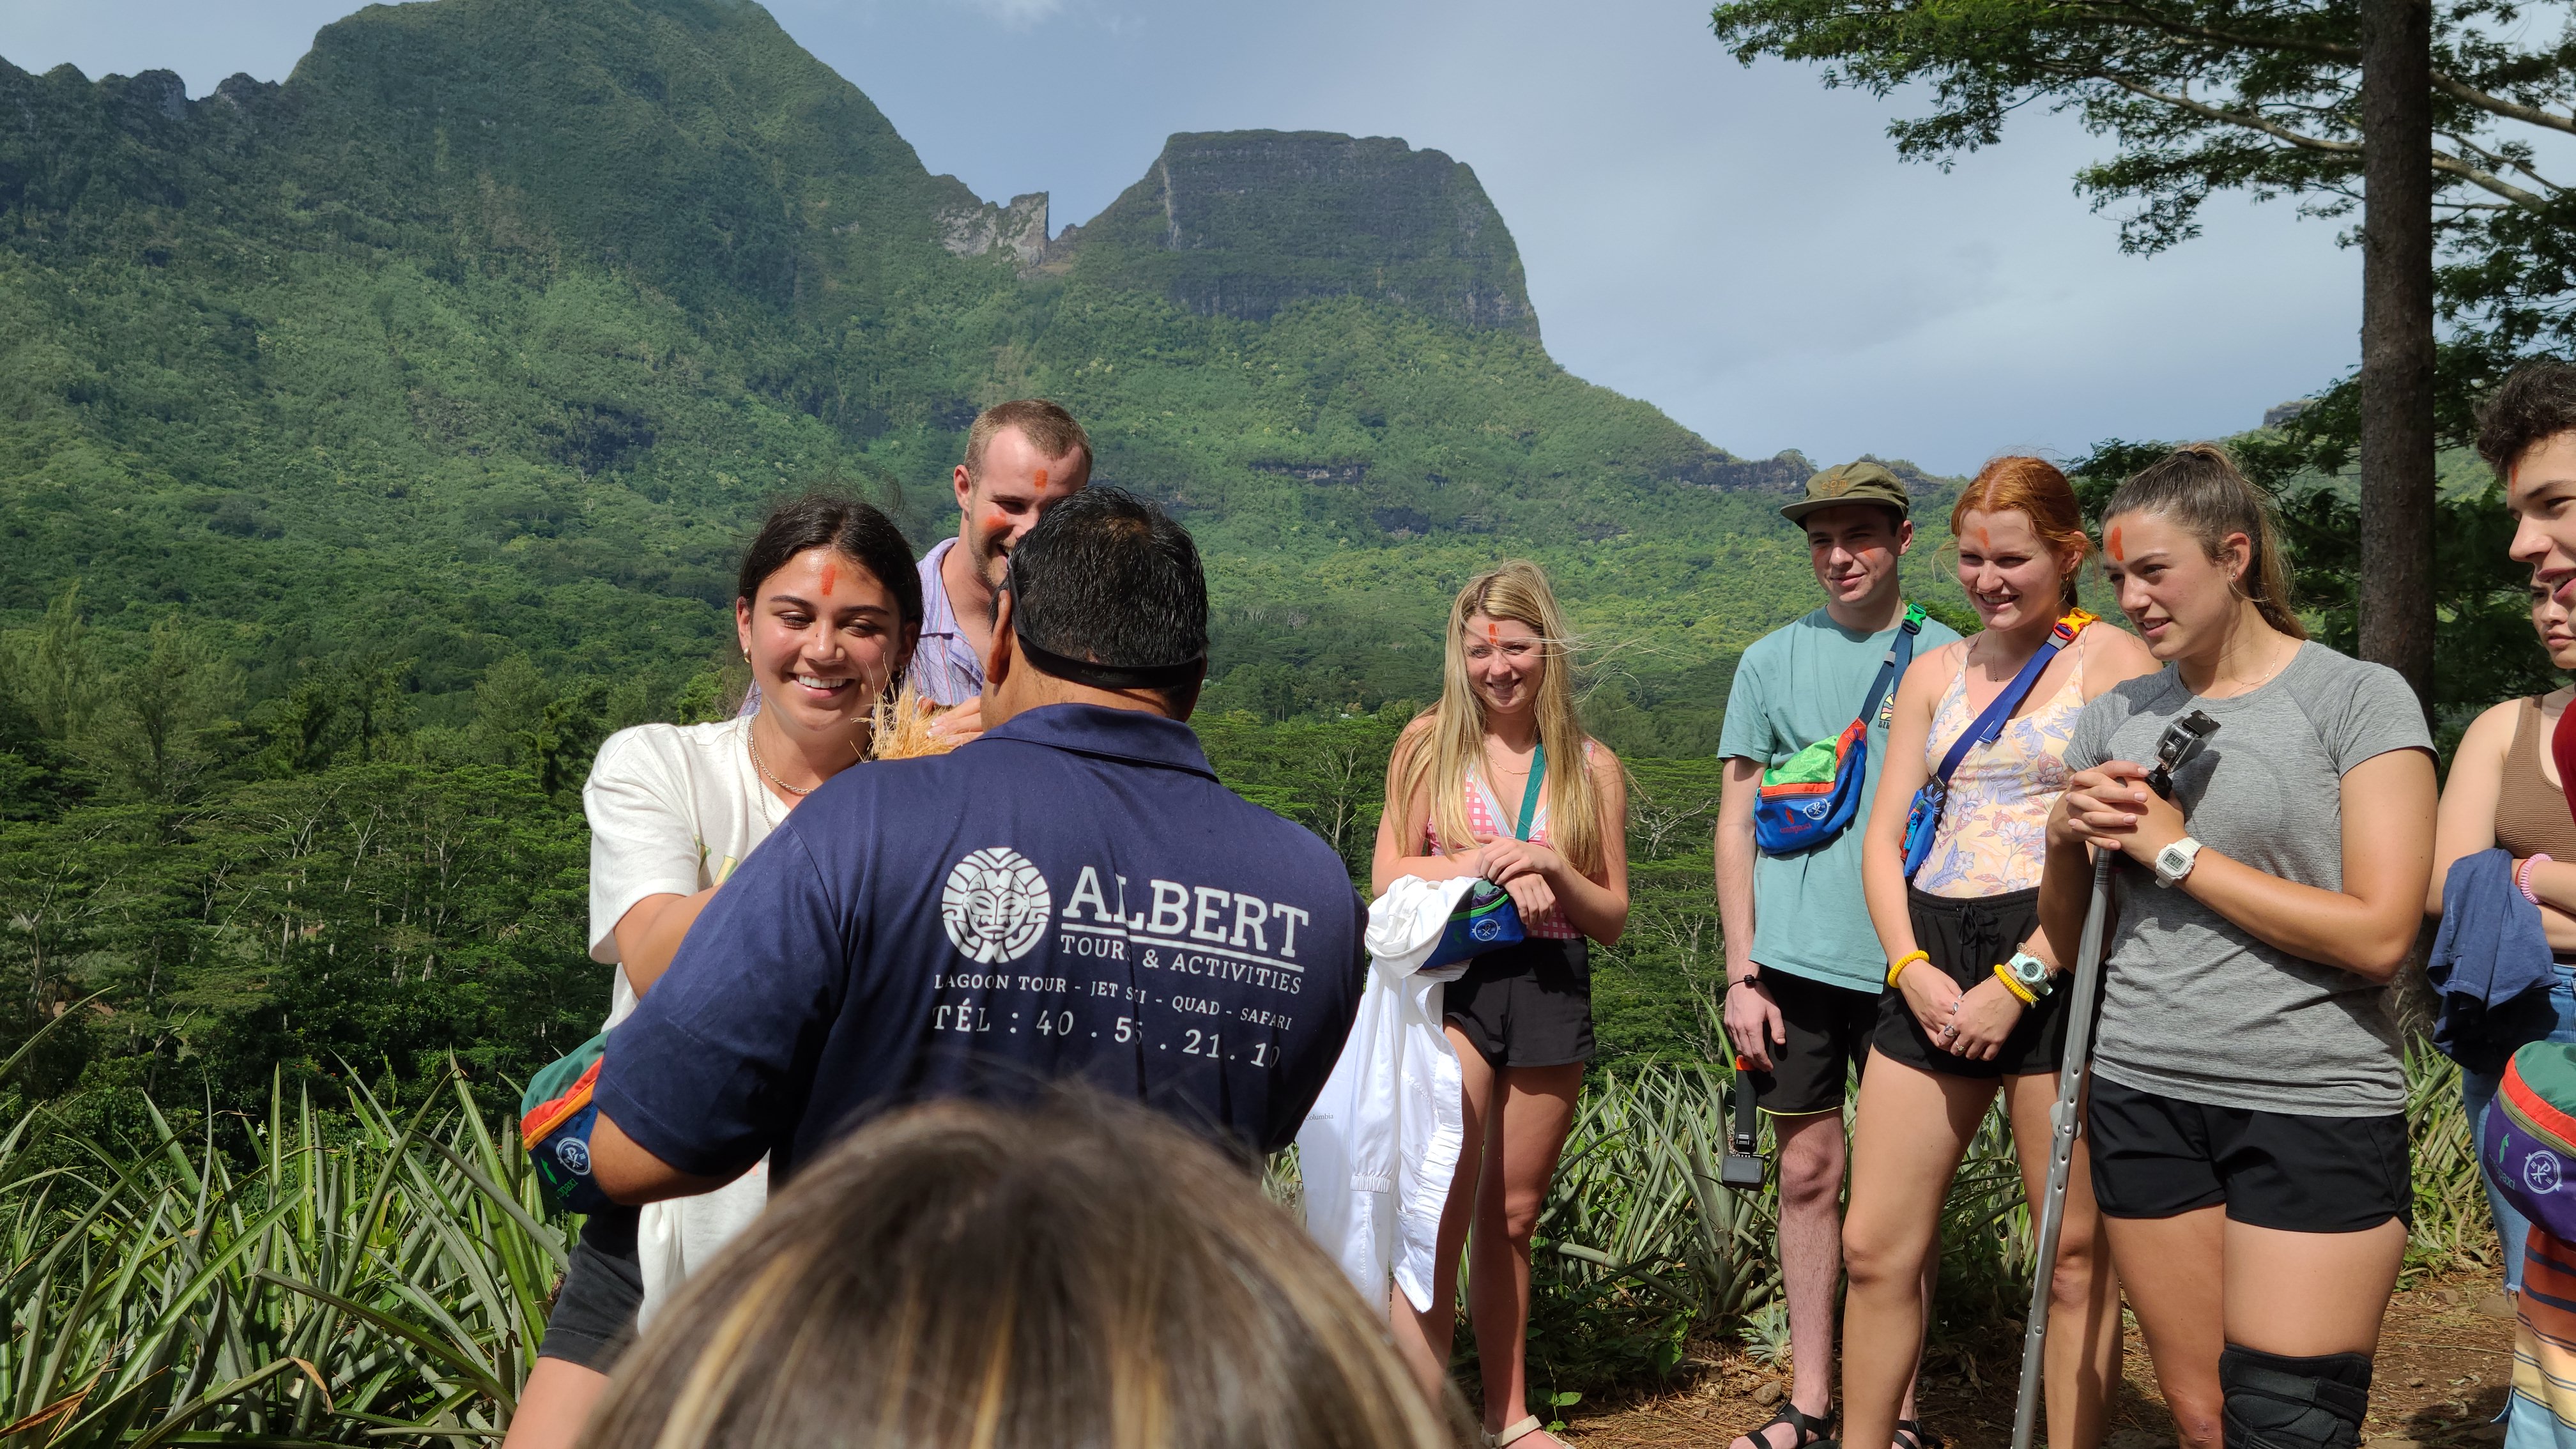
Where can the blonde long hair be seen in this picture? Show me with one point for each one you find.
(1440, 755)
(962, 1275)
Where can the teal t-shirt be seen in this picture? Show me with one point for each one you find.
(1795, 686)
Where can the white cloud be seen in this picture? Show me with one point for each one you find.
(1017, 14)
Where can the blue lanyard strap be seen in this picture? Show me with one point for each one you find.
(1986, 727)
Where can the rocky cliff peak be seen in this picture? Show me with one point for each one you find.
(1243, 223)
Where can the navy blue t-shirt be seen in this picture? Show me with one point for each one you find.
(1071, 897)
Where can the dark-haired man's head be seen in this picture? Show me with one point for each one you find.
(2527, 433)
(1021, 457)
(1105, 604)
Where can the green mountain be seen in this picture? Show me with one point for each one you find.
(486, 332)
(373, 441)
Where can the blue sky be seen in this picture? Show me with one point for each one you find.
(1739, 246)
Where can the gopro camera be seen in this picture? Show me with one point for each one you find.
(2183, 739)
(1742, 1166)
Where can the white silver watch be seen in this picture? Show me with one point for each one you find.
(2175, 861)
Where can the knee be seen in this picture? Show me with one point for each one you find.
(2274, 1401)
(2073, 1283)
(2197, 1424)
(2199, 1414)
(1876, 1260)
(1520, 1212)
(1811, 1170)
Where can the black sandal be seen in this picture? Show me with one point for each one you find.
(1812, 1432)
(1910, 1434)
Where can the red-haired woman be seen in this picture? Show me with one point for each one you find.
(1974, 1008)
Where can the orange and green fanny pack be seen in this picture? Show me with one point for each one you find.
(1812, 796)
(2529, 1140)
(556, 1115)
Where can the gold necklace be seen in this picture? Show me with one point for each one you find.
(751, 738)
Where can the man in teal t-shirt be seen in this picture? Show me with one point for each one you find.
(1803, 967)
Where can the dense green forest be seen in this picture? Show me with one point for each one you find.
(374, 442)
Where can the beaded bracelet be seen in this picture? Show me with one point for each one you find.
(2522, 879)
(1897, 967)
(2013, 985)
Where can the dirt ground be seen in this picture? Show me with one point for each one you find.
(2445, 1361)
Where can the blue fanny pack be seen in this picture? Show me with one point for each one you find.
(1486, 920)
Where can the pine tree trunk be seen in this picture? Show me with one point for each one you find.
(2397, 340)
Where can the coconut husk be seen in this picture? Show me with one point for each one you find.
(900, 727)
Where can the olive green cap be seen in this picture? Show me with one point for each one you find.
(1861, 482)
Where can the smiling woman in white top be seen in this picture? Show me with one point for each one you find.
(827, 611)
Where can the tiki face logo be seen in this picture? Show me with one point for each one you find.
(995, 906)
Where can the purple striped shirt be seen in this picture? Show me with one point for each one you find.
(944, 665)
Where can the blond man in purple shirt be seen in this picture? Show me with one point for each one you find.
(1020, 457)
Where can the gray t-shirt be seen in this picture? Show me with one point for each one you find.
(2193, 1006)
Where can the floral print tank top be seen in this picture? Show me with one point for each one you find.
(1993, 837)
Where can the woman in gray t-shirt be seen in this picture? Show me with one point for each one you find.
(2247, 1116)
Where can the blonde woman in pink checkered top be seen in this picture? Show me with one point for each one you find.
(1499, 780)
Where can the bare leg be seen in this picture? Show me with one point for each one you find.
(2306, 1294)
(1533, 1108)
(555, 1405)
(1913, 1128)
(2175, 1271)
(2082, 1364)
(1811, 1259)
(1424, 1339)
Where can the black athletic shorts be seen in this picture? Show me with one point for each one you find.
(603, 1287)
(1967, 937)
(1828, 1028)
(2156, 1156)
(1527, 1005)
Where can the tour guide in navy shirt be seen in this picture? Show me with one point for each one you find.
(1072, 897)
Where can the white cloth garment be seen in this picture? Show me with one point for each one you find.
(673, 809)
(1378, 1150)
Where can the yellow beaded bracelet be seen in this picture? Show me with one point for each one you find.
(2013, 985)
(1897, 967)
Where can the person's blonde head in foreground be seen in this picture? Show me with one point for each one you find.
(963, 1277)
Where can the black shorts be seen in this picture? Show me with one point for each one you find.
(1967, 937)
(1828, 1028)
(2157, 1156)
(594, 1314)
(1528, 1005)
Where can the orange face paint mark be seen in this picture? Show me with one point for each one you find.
(831, 575)
(1493, 634)
(997, 525)
(1041, 480)
(2118, 555)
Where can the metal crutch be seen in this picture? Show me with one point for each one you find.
(2061, 1152)
(2182, 740)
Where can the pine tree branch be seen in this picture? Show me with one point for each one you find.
(2498, 105)
(2448, 165)
(2145, 19)
(2206, 111)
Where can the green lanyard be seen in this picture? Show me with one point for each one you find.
(1529, 792)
